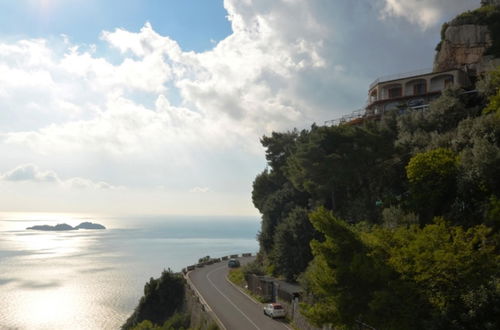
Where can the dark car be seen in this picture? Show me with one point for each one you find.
(233, 263)
(415, 102)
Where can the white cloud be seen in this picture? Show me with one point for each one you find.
(82, 183)
(29, 172)
(154, 115)
(32, 173)
(426, 13)
(199, 190)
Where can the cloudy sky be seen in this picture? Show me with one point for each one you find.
(156, 107)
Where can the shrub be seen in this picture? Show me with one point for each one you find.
(162, 298)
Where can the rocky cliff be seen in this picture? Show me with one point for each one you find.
(490, 2)
(471, 41)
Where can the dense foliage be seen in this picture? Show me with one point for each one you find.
(175, 322)
(163, 297)
(434, 277)
(404, 215)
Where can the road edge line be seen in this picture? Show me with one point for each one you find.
(252, 298)
(241, 290)
(204, 302)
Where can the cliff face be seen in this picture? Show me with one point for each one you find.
(490, 2)
(470, 42)
(464, 47)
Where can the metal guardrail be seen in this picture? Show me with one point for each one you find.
(359, 114)
(362, 115)
(204, 305)
(213, 261)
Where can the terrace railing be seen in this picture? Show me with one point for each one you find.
(401, 76)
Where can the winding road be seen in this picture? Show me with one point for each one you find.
(234, 309)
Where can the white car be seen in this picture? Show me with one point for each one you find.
(274, 310)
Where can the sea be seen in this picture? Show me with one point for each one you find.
(93, 279)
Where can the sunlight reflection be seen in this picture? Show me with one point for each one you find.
(51, 306)
(45, 244)
(52, 244)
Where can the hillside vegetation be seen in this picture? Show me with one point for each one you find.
(161, 306)
(394, 223)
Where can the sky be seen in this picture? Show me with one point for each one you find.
(125, 107)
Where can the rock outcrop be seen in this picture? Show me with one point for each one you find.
(463, 47)
(64, 227)
(470, 42)
(58, 227)
(90, 225)
(490, 2)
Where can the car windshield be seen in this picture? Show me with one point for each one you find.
(277, 307)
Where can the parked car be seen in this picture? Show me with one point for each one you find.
(233, 263)
(415, 102)
(274, 310)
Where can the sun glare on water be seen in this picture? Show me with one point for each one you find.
(47, 283)
(50, 306)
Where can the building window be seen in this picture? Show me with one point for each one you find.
(448, 82)
(395, 92)
(419, 89)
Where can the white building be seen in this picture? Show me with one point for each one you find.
(413, 89)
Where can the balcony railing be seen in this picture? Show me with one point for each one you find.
(401, 76)
(362, 114)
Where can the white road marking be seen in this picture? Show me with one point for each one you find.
(227, 298)
(204, 302)
(252, 299)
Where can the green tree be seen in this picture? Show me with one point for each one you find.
(272, 194)
(452, 267)
(276, 208)
(162, 298)
(350, 282)
(344, 169)
(291, 252)
(177, 321)
(432, 177)
(478, 143)
(146, 325)
(490, 87)
(434, 277)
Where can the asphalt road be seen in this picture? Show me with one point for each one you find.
(233, 308)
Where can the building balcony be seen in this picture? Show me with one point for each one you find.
(390, 91)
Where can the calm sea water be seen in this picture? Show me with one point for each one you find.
(92, 279)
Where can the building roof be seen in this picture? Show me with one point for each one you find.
(398, 76)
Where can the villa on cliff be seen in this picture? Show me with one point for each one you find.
(414, 89)
(467, 50)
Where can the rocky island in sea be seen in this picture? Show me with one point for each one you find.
(64, 227)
